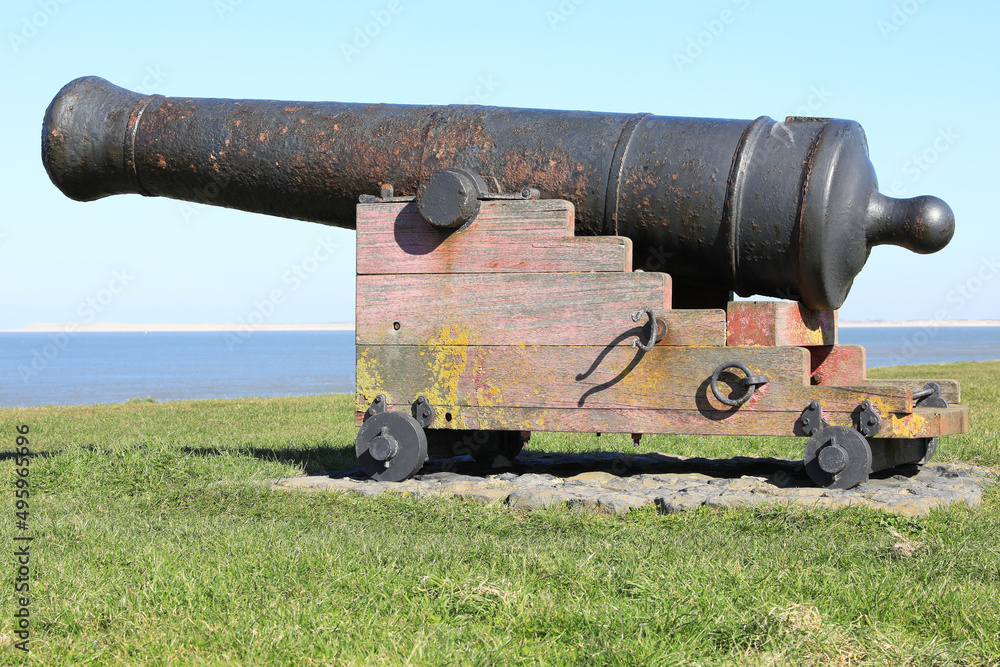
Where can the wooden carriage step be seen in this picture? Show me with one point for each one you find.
(838, 364)
(779, 323)
(845, 365)
(525, 309)
(507, 236)
(951, 390)
(677, 378)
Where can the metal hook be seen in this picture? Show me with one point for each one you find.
(654, 328)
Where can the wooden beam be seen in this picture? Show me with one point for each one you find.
(951, 390)
(525, 309)
(837, 364)
(534, 236)
(614, 377)
(919, 424)
(779, 323)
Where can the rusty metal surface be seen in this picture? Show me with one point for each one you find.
(787, 209)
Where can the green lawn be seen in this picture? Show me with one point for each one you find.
(140, 557)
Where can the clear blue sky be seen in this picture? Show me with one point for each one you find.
(920, 76)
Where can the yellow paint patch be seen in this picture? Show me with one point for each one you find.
(910, 426)
(449, 354)
(369, 379)
(487, 396)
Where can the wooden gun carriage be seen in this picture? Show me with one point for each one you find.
(470, 339)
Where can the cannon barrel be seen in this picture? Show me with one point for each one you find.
(788, 209)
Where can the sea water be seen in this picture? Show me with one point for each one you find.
(83, 368)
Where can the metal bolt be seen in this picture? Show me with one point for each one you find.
(832, 458)
(383, 446)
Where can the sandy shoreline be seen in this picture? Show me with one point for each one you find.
(920, 323)
(101, 327)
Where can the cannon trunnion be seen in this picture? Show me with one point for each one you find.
(525, 270)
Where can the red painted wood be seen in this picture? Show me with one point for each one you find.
(845, 365)
(534, 236)
(837, 364)
(920, 424)
(951, 390)
(508, 308)
(779, 323)
(694, 327)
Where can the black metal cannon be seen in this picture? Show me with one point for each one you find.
(496, 252)
(787, 209)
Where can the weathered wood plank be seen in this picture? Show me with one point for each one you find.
(452, 373)
(779, 323)
(919, 424)
(513, 308)
(838, 364)
(532, 236)
(594, 377)
(694, 327)
(951, 390)
(535, 218)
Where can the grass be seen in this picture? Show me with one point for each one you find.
(140, 557)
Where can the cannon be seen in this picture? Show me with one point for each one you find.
(526, 270)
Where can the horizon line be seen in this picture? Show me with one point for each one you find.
(113, 327)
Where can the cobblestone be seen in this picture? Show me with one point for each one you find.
(616, 484)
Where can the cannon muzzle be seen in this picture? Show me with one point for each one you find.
(778, 208)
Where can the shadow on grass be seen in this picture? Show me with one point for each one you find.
(313, 460)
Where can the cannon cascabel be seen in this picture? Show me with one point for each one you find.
(788, 209)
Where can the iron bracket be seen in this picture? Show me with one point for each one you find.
(812, 418)
(423, 411)
(869, 419)
(378, 406)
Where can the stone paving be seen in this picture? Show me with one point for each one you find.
(615, 483)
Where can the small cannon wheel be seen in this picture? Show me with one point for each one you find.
(391, 446)
(838, 457)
